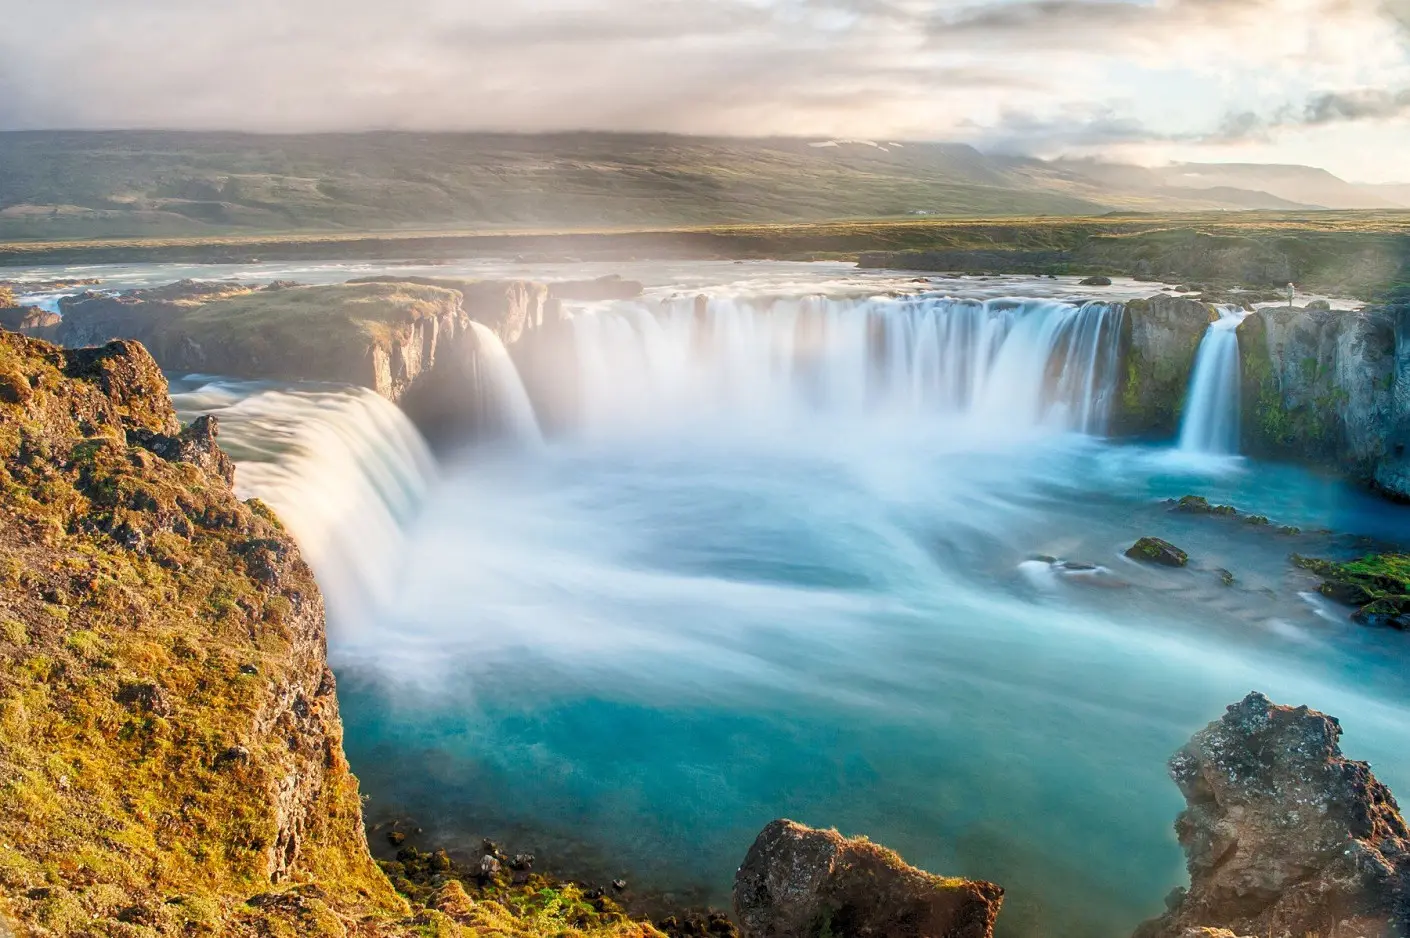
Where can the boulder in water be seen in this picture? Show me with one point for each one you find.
(797, 882)
(1097, 282)
(1154, 550)
(1283, 835)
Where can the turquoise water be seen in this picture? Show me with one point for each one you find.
(628, 657)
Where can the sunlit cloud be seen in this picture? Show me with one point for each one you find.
(1035, 76)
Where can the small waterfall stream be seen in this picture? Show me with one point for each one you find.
(500, 399)
(1212, 407)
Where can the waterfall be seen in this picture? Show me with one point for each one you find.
(501, 401)
(1212, 407)
(1017, 362)
(344, 470)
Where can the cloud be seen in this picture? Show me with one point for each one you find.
(1027, 75)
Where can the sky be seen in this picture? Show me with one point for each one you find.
(1321, 82)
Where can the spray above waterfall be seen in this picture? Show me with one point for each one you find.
(1212, 408)
(1005, 361)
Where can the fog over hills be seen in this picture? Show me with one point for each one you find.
(149, 183)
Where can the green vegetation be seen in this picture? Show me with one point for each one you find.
(170, 750)
(1378, 584)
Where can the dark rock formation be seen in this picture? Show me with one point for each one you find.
(1283, 835)
(1154, 550)
(797, 882)
(1097, 282)
(1160, 338)
(1319, 386)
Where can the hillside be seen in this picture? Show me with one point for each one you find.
(66, 185)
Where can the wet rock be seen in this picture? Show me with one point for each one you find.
(620, 885)
(1156, 551)
(396, 838)
(1283, 835)
(488, 868)
(1199, 505)
(1378, 585)
(1097, 282)
(797, 882)
(522, 861)
(1225, 577)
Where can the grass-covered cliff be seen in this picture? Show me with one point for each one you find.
(171, 759)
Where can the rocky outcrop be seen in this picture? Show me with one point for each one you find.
(1319, 385)
(29, 320)
(1161, 553)
(1283, 835)
(797, 882)
(1160, 339)
(165, 696)
(384, 336)
(510, 308)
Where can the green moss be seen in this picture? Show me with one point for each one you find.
(1378, 584)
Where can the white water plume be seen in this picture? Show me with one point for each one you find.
(1212, 409)
(343, 468)
(1009, 363)
(500, 400)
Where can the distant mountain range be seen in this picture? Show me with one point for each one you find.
(60, 184)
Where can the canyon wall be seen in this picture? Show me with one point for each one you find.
(1319, 385)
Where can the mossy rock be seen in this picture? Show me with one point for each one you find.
(1378, 585)
(1153, 550)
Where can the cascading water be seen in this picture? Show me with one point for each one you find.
(1012, 363)
(1212, 407)
(343, 468)
(500, 400)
